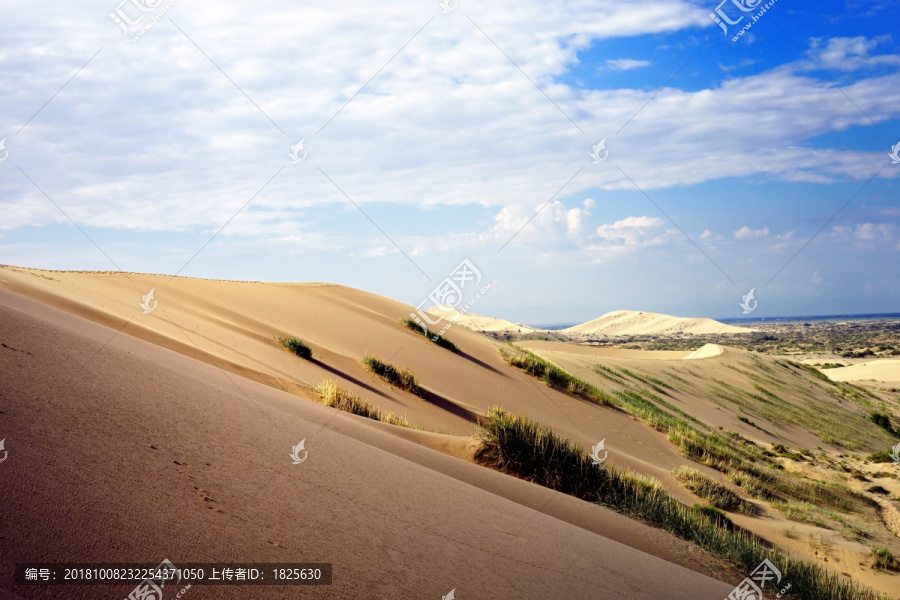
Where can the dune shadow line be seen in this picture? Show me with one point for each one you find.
(350, 378)
(451, 407)
(482, 364)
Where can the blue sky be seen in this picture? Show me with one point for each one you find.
(433, 137)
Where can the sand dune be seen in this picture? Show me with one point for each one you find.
(883, 370)
(181, 420)
(705, 351)
(479, 322)
(629, 322)
(123, 447)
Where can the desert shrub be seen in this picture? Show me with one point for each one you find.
(883, 421)
(882, 456)
(883, 559)
(402, 378)
(296, 346)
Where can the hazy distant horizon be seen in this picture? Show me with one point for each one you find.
(791, 318)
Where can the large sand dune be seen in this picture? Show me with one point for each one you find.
(630, 322)
(167, 434)
(123, 447)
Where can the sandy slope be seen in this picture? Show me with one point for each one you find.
(479, 322)
(122, 450)
(232, 325)
(630, 322)
(883, 370)
(695, 396)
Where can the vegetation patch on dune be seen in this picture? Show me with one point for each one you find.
(434, 337)
(402, 378)
(298, 347)
(518, 446)
(716, 493)
(756, 472)
(335, 396)
(553, 375)
(884, 560)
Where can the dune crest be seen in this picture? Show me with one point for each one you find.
(630, 322)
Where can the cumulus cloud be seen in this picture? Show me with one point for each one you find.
(746, 233)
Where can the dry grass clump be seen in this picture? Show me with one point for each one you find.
(333, 395)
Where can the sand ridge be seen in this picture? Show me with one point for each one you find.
(630, 322)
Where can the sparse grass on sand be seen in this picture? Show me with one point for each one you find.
(884, 560)
(298, 347)
(434, 337)
(333, 395)
(402, 378)
(718, 494)
(518, 446)
(553, 375)
(739, 458)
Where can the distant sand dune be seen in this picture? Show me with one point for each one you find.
(886, 370)
(479, 322)
(613, 324)
(630, 322)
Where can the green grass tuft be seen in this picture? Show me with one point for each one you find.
(883, 421)
(402, 378)
(296, 346)
(718, 494)
(884, 560)
(434, 337)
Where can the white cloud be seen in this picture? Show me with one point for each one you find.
(625, 64)
(746, 233)
(629, 234)
(850, 53)
(152, 136)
